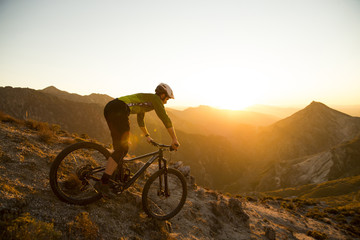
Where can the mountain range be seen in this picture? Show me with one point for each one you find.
(226, 150)
(309, 147)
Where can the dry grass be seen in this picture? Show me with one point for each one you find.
(27, 228)
(7, 118)
(83, 228)
(6, 188)
(47, 133)
(317, 235)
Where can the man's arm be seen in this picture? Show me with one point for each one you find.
(146, 134)
(140, 120)
(175, 143)
(141, 123)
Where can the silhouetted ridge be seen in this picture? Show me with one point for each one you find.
(316, 105)
(51, 89)
(101, 99)
(315, 113)
(320, 108)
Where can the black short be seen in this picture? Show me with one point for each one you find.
(117, 113)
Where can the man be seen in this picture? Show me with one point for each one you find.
(117, 113)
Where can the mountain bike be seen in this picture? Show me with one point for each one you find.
(76, 169)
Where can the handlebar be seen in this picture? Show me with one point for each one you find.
(162, 146)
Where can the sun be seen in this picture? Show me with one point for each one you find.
(234, 106)
(234, 102)
(226, 88)
(238, 96)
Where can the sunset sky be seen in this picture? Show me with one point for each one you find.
(226, 54)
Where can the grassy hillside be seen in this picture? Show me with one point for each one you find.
(341, 192)
(334, 202)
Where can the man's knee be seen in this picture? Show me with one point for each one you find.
(119, 154)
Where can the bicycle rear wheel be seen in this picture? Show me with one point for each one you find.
(75, 170)
(156, 202)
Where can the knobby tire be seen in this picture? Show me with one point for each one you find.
(55, 171)
(164, 208)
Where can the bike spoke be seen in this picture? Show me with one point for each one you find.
(160, 204)
(75, 173)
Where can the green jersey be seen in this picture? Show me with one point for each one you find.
(141, 103)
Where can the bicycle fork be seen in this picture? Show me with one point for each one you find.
(163, 191)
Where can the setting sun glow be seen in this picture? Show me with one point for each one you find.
(225, 54)
(238, 97)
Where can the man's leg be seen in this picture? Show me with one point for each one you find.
(111, 165)
(121, 148)
(117, 118)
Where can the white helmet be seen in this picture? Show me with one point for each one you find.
(164, 88)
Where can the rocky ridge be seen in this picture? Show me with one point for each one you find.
(100, 99)
(338, 162)
(80, 117)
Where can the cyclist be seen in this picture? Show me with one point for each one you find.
(117, 113)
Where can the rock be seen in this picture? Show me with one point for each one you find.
(270, 233)
(185, 170)
(177, 164)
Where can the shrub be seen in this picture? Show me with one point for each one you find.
(340, 218)
(9, 189)
(46, 133)
(317, 235)
(84, 136)
(27, 228)
(288, 206)
(6, 118)
(34, 125)
(303, 202)
(332, 210)
(83, 228)
(56, 128)
(315, 213)
(46, 136)
(355, 221)
(251, 199)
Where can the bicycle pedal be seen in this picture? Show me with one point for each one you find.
(118, 188)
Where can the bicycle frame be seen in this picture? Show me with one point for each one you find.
(154, 156)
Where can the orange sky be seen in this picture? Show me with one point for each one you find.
(227, 54)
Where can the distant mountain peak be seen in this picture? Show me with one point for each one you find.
(314, 104)
(51, 88)
(320, 108)
(101, 99)
(317, 107)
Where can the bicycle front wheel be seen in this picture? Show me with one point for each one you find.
(75, 170)
(159, 203)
